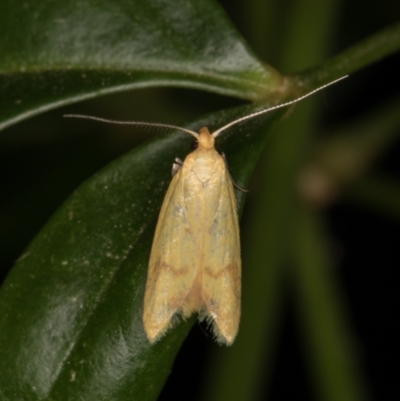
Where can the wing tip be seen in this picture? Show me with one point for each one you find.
(224, 332)
(155, 331)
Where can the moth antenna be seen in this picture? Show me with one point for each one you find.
(104, 120)
(257, 113)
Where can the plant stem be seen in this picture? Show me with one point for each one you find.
(366, 52)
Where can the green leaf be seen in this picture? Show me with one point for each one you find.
(71, 324)
(55, 53)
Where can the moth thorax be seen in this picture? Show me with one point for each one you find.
(205, 139)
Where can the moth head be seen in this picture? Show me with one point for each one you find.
(205, 139)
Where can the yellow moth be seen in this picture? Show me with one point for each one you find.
(195, 264)
(195, 258)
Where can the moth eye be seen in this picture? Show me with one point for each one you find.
(194, 145)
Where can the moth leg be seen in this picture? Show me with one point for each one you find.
(233, 181)
(176, 165)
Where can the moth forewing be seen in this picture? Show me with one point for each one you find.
(168, 280)
(222, 265)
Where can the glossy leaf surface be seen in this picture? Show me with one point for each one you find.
(55, 53)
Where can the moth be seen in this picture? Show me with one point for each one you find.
(195, 264)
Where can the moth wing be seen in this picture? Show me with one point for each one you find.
(221, 275)
(171, 272)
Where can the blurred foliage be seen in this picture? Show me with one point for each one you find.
(319, 228)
